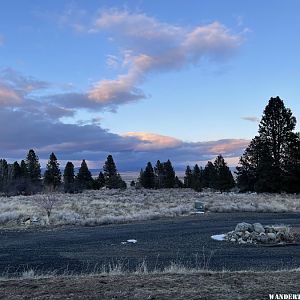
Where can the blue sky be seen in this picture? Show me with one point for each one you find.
(143, 80)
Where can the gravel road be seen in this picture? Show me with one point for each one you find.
(184, 240)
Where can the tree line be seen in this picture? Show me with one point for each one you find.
(26, 177)
(271, 163)
(215, 175)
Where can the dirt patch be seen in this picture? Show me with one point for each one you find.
(228, 285)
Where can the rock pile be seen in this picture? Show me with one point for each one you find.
(258, 234)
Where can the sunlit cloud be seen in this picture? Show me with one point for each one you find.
(152, 141)
(153, 46)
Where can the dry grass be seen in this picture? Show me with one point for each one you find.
(195, 285)
(115, 206)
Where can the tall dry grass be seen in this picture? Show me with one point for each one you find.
(115, 206)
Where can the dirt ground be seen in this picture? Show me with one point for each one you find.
(247, 285)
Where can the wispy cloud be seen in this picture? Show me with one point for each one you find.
(251, 119)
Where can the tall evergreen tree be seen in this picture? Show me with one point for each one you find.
(267, 164)
(100, 181)
(169, 175)
(17, 171)
(147, 177)
(24, 171)
(52, 175)
(209, 175)
(197, 178)
(224, 179)
(159, 175)
(33, 166)
(3, 175)
(113, 179)
(188, 177)
(84, 177)
(69, 178)
(178, 183)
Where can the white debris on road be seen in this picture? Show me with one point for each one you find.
(218, 237)
(132, 241)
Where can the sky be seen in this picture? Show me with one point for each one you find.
(143, 80)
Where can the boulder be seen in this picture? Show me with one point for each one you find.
(271, 236)
(281, 228)
(258, 228)
(262, 238)
(244, 227)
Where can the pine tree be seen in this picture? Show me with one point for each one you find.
(188, 177)
(69, 178)
(17, 171)
(224, 179)
(159, 175)
(52, 175)
(84, 177)
(113, 179)
(169, 175)
(197, 178)
(267, 165)
(178, 183)
(3, 175)
(141, 178)
(209, 175)
(33, 166)
(24, 171)
(147, 177)
(100, 181)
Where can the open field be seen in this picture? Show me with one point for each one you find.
(115, 206)
(199, 285)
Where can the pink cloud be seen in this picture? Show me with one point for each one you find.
(153, 141)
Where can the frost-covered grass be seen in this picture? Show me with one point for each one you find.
(232, 202)
(115, 206)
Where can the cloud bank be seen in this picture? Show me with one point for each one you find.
(31, 110)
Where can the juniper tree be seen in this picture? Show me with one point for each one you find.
(52, 175)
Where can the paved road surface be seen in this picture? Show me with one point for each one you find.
(159, 242)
